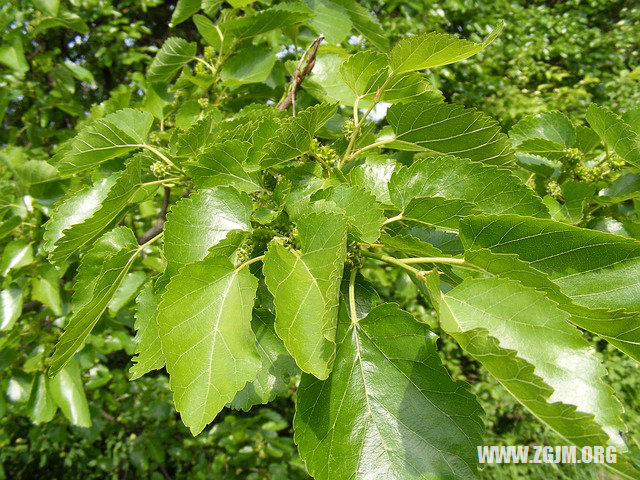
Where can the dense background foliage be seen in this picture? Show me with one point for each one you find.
(65, 62)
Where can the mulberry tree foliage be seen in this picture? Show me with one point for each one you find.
(240, 200)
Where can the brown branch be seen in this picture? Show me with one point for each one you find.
(157, 227)
(298, 75)
(31, 306)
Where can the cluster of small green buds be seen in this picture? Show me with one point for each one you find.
(573, 156)
(354, 258)
(294, 238)
(203, 102)
(209, 54)
(262, 198)
(554, 190)
(244, 251)
(616, 162)
(531, 182)
(348, 128)
(324, 152)
(201, 69)
(154, 137)
(160, 169)
(599, 173)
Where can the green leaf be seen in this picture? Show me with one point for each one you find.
(438, 211)
(450, 129)
(373, 174)
(187, 113)
(157, 100)
(625, 187)
(204, 319)
(277, 365)
(100, 274)
(576, 196)
(211, 7)
(126, 292)
(552, 126)
(410, 245)
(80, 73)
(192, 141)
(238, 3)
(12, 55)
(331, 20)
(207, 29)
(183, 11)
(433, 49)
(148, 354)
(364, 215)
(221, 164)
(338, 77)
(41, 406)
(325, 81)
(294, 135)
(174, 54)
(632, 118)
(107, 138)
(621, 330)
(252, 64)
(389, 409)
(197, 223)
(75, 209)
(365, 72)
(305, 288)
(542, 148)
(67, 392)
(407, 87)
(500, 322)
(16, 254)
(48, 7)
(489, 188)
(586, 139)
(595, 269)
(278, 16)
(45, 288)
(9, 225)
(63, 19)
(365, 23)
(85, 224)
(10, 307)
(615, 133)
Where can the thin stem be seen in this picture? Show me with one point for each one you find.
(394, 261)
(397, 218)
(149, 242)
(377, 144)
(406, 262)
(322, 162)
(153, 149)
(161, 181)
(357, 123)
(249, 262)
(446, 260)
(214, 70)
(370, 245)
(352, 296)
(221, 44)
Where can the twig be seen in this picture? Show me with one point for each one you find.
(31, 306)
(299, 76)
(157, 227)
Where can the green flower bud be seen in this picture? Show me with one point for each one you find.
(554, 189)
